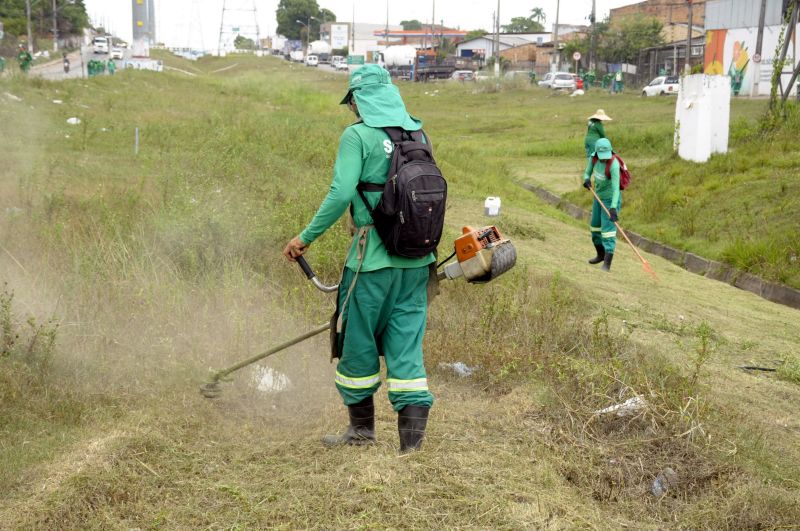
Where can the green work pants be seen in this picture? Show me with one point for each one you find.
(604, 232)
(386, 313)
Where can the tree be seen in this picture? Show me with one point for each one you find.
(538, 14)
(474, 34)
(523, 25)
(290, 11)
(71, 19)
(621, 44)
(411, 24)
(243, 43)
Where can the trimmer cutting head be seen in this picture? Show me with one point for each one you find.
(211, 389)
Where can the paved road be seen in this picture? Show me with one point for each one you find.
(54, 70)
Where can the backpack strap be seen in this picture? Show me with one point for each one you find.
(368, 187)
(609, 163)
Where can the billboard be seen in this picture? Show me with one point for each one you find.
(340, 36)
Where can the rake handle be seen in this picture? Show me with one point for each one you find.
(635, 250)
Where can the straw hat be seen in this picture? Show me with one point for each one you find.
(600, 115)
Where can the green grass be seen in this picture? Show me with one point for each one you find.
(160, 266)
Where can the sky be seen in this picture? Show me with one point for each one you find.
(196, 23)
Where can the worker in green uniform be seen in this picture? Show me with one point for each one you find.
(112, 67)
(602, 227)
(2, 64)
(24, 58)
(382, 297)
(595, 130)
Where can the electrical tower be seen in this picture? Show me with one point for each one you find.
(239, 17)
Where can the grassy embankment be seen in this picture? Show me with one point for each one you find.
(740, 207)
(158, 266)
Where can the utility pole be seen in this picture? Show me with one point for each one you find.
(55, 26)
(593, 40)
(386, 29)
(30, 33)
(433, 27)
(688, 67)
(497, 43)
(555, 36)
(759, 43)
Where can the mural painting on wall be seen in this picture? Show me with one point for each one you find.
(738, 68)
(715, 52)
(718, 46)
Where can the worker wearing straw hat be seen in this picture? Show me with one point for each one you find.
(595, 130)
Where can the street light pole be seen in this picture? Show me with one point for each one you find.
(30, 33)
(688, 67)
(55, 26)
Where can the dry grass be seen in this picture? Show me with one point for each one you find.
(152, 290)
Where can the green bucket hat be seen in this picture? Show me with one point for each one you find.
(602, 149)
(379, 101)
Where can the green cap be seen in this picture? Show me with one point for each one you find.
(602, 149)
(367, 75)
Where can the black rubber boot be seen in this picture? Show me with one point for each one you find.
(361, 429)
(601, 253)
(411, 422)
(607, 262)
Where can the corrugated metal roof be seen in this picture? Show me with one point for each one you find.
(731, 14)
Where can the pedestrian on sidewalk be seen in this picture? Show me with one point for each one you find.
(595, 130)
(605, 169)
(382, 297)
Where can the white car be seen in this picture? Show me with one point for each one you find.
(116, 53)
(663, 86)
(312, 60)
(100, 45)
(563, 80)
(342, 65)
(547, 80)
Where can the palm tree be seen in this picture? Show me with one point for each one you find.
(537, 14)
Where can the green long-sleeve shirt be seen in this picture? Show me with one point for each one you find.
(365, 154)
(594, 132)
(607, 189)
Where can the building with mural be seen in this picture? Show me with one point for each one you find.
(731, 43)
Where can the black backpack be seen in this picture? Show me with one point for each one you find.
(410, 214)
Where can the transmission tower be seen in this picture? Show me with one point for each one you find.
(239, 17)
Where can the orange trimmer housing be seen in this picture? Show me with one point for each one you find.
(473, 240)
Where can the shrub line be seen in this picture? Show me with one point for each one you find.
(771, 291)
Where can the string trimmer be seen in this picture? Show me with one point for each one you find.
(481, 256)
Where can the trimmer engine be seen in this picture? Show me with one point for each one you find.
(483, 255)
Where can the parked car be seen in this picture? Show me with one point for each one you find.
(563, 80)
(336, 59)
(483, 75)
(463, 75)
(662, 86)
(342, 65)
(312, 60)
(547, 80)
(116, 53)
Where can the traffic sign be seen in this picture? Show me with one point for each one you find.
(355, 59)
(577, 56)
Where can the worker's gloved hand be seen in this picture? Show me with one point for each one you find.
(587, 184)
(613, 217)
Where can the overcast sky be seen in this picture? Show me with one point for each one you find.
(197, 22)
